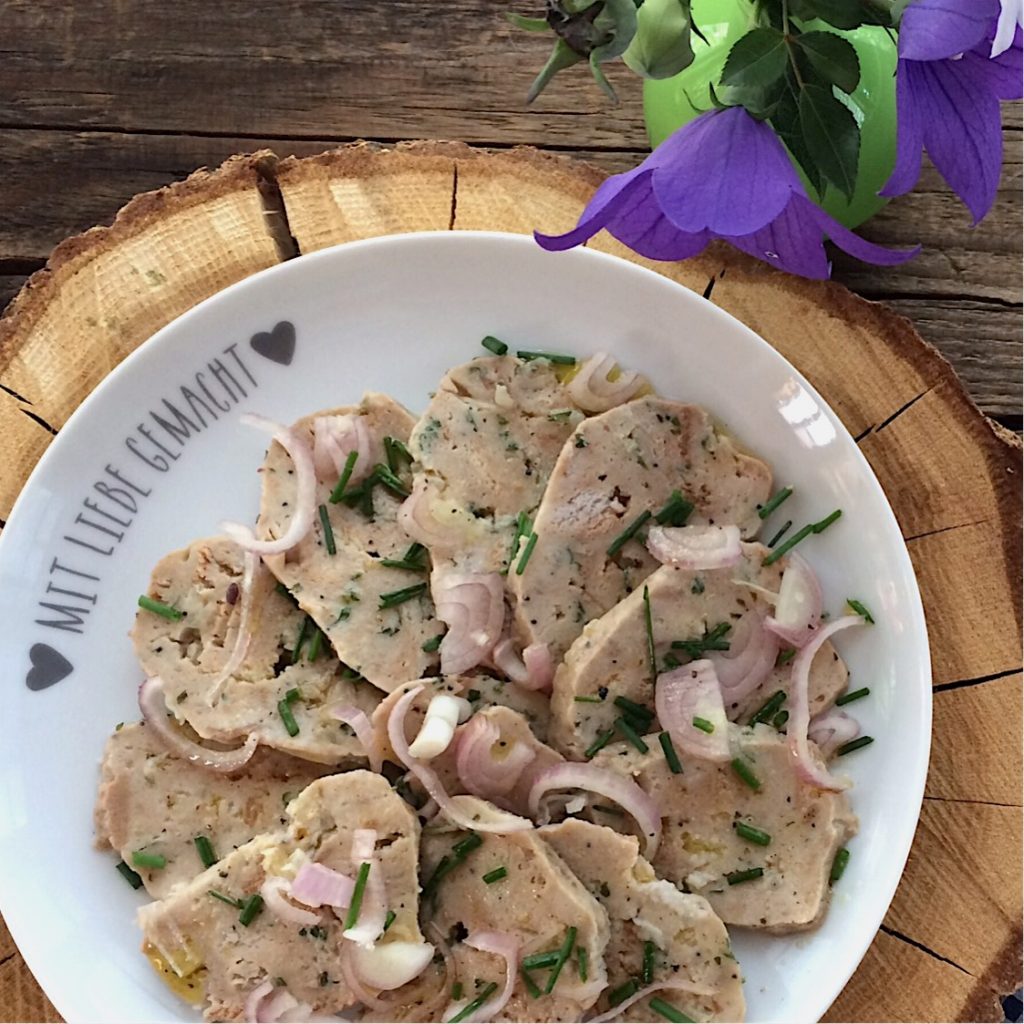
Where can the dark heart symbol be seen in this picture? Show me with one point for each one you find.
(277, 345)
(48, 667)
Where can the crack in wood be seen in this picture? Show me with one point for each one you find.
(8, 958)
(901, 410)
(21, 265)
(959, 684)
(944, 529)
(709, 288)
(924, 949)
(864, 433)
(39, 419)
(884, 295)
(455, 196)
(14, 394)
(275, 213)
(963, 800)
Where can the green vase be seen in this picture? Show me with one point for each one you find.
(672, 102)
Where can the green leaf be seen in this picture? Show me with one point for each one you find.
(831, 135)
(785, 120)
(661, 46)
(562, 57)
(847, 14)
(602, 79)
(832, 57)
(619, 19)
(527, 24)
(756, 60)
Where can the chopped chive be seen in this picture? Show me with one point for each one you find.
(669, 1012)
(523, 528)
(229, 900)
(774, 502)
(581, 961)
(601, 741)
(564, 952)
(824, 524)
(782, 531)
(133, 878)
(325, 522)
(652, 658)
(531, 985)
(671, 757)
(394, 452)
(433, 643)
(703, 724)
(300, 640)
(738, 877)
(849, 748)
(205, 850)
(346, 475)
(389, 920)
(151, 604)
(444, 865)
(785, 657)
(496, 875)
(671, 662)
(647, 975)
(631, 734)
(842, 858)
(153, 861)
(628, 533)
(464, 847)
(588, 698)
(551, 357)
(525, 556)
(493, 344)
(456, 991)
(470, 1008)
(623, 992)
(411, 560)
(537, 961)
(633, 709)
(712, 640)
(751, 834)
(742, 769)
(769, 707)
(849, 698)
(357, 896)
(397, 597)
(780, 719)
(250, 910)
(804, 531)
(313, 651)
(390, 480)
(859, 608)
(675, 511)
(284, 709)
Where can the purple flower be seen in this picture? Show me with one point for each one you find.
(723, 175)
(955, 64)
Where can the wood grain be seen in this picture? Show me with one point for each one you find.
(952, 477)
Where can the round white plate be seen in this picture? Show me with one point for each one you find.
(127, 481)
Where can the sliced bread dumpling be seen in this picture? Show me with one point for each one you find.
(616, 467)
(285, 663)
(782, 886)
(688, 941)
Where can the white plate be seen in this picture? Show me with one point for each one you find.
(391, 314)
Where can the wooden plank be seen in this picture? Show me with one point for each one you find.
(19, 991)
(976, 743)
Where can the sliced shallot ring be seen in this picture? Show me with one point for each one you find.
(359, 721)
(748, 662)
(691, 693)
(667, 985)
(254, 1000)
(355, 982)
(831, 729)
(274, 891)
(154, 711)
(695, 547)
(464, 811)
(608, 783)
(591, 389)
(304, 506)
(252, 564)
(502, 944)
(479, 770)
(472, 605)
(393, 964)
(416, 518)
(809, 768)
(317, 885)
(373, 910)
(797, 613)
(334, 439)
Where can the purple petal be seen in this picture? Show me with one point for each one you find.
(641, 226)
(962, 132)
(792, 242)
(909, 136)
(856, 246)
(725, 173)
(611, 196)
(1002, 73)
(936, 29)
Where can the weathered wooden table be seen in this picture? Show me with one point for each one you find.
(103, 100)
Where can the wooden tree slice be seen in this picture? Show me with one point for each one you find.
(950, 944)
